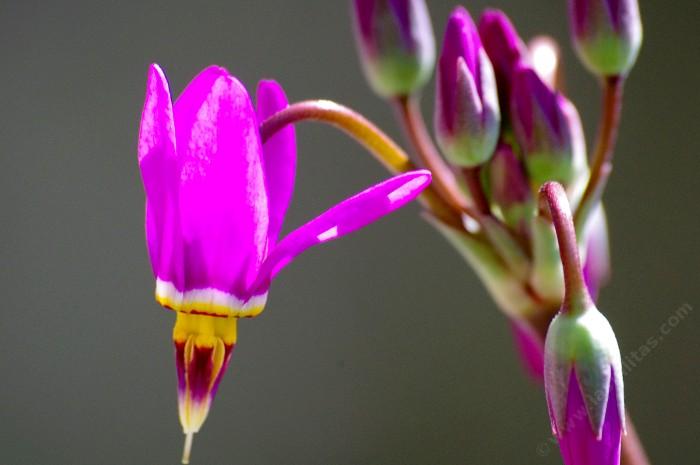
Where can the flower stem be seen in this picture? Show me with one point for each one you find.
(472, 176)
(187, 449)
(385, 150)
(605, 145)
(553, 199)
(632, 449)
(411, 119)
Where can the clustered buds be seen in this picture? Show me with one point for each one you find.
(607, 34)
(396, 44)
(502, 122)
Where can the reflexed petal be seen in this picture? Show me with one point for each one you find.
(158, 163)
(351, 214)
(223, 203)
(279, 157)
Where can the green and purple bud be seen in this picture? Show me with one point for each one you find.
(583, 382)
(547, 128)
(607, 34)
(504, 48)
(510, 188)
(396, 44)
(467, 116)
(582, 363)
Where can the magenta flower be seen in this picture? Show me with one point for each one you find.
(467, 116)
(396, 44)
(607, 34)
(215, 203)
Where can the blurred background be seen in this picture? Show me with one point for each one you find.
(382, 348)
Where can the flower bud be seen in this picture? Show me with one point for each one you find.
(607, 34)
(583, 383)
(547, 128)
(504, 48)
(510, 189)
(582, 364)
(396, 44)
(467, 116)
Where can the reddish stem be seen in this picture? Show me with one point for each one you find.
(385, 150)
(553, 199)
(472, 176)
(413, 124)
(602, 157)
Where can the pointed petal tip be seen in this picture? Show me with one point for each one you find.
(154, 69)
(416, 181)
(270, 98)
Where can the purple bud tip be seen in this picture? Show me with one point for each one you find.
(461, 40)
(502, 43)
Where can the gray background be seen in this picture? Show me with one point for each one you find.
(380, 349)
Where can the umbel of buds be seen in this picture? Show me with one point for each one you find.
(467, 116)
(582, 366)
(396, 44)
(607, 34)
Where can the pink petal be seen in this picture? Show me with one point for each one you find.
(578, 442)
(530, 348)
(159, 171)
(351, 214)
(279, 157)
(223, 203)
(596, 271)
